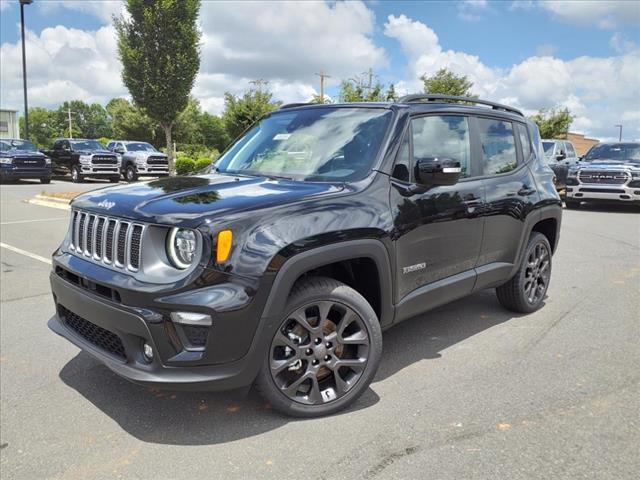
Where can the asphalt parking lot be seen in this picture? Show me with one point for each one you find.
(469, 391)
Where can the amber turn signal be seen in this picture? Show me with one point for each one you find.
(223, 249)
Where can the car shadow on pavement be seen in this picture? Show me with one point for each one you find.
(204, 418)
(609, 208)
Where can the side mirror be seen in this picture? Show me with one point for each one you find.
(437, 171)
(580, 158)
(561, 156)
(119, 150)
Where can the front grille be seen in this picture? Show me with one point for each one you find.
(104, 160)
(98, 336)
(603, 177)
(601, 190)
(29, 162)
(107, 240)
(157, 161)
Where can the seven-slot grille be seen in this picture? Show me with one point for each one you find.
(104, 160)
(603, 177)
(157, 161)
(107, 240)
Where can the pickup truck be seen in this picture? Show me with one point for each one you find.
(139, 159)
(84, 158)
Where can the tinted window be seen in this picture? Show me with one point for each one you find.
(548, 148)
(9, 145)
(444, 136)
(498, 146)
(315, 144)
(524, 141)
(140, 147)
(87, 145)
(570, 151)
(625, 152)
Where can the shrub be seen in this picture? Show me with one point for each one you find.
(185, 165)
(201, 163)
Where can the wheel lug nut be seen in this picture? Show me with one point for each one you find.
(315, 362)
(318, 341)
(309, 351)
(327, 358)
(329, 345)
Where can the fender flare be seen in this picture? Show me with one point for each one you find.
(317, 257)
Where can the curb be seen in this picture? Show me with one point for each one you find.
(53, 202)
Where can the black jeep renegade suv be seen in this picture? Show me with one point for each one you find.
(319, 228)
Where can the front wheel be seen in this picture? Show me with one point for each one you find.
(76, 174)
(45, 180)
(525, 292)
(325, 351)
(130, 174)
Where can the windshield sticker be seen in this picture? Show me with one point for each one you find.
(282, 136)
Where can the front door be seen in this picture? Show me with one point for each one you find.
(438, 230)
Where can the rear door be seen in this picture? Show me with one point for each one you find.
(510, 194)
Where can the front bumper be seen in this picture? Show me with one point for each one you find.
(99, 170)
(15, 172)
(593, 192)
(152, 170)
(174, 366)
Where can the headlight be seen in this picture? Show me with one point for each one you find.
(181, 247)
(85, 159)
(47, 161)
(6, 160)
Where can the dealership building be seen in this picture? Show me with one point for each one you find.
(9, 126)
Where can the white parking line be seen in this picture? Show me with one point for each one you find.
(36, 220)
(25, 253)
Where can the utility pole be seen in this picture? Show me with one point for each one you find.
(620, 133)
(322, 76)
(70, 112)
(24, 69)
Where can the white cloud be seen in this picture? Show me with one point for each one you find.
(4, 5)
(599, 91)
(62, 64)
(603, 13)
(472, 10)
(546, 50)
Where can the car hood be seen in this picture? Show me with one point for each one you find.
(22, 153)
(609, 165)
(144, 154)
(189, 201)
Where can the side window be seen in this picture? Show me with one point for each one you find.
(57, 145)
(498, 146)
(66, 145)
(442, 136)
(570, 151)
(524, 141)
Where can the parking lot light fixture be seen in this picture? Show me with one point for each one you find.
(24, 69)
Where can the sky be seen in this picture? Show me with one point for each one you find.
(584, 55)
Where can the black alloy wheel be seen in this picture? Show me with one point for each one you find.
(324, 353)
(525, 292)
(130, 174)
(76, 174)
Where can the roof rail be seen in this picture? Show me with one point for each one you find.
(292, 105)
(428, 97)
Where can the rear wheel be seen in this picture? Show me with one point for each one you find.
(130, 174)
(76, 174)
(45, 180)
(525, 292)
(325, 352)
(114, 179)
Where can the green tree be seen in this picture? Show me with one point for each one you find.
(391, 95)
(446, 82)
(553, 123)
(213, 131)
(43, 129)
(131, 123)
(356, 90)
(242, 112)
(158, 47)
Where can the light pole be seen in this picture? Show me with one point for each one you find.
(24, 69)
(620, 133)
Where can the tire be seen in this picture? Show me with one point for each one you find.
(571, 204)
(76, 174)
(534, 273)
(130, 174)
(114, 179)
(333, 370)
(45, 180)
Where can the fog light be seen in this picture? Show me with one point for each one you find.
(192, 318)
(147, 351)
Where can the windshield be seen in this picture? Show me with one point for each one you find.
(548, 148)
(316, 144)
(620, 152)
(86, 145)
(140, 147)
(9, 145)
